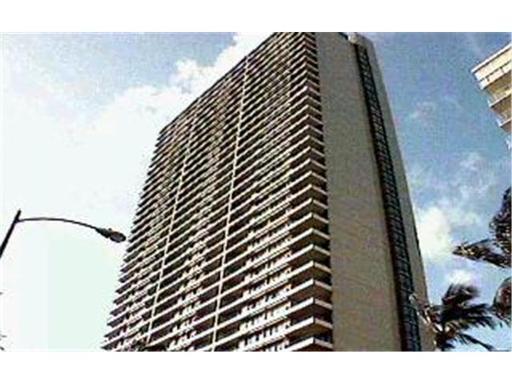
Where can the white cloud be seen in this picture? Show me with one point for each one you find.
(133, 118)
(193, 78)
(461, 276)
(424, 112)
(61, 158)
(472, 161)
(434, 233)
(456, 207)
(421, 178)
(110, 147)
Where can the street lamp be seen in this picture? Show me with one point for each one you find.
(109, 233)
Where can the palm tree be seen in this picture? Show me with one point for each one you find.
(483, 250)
(501, 302)
(500, 225)
(457, 314)
(495, 251)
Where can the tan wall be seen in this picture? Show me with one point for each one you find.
(364, 309)
(364, 304)
(416, 261)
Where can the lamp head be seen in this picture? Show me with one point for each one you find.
(110, 234)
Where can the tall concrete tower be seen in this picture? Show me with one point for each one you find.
(276, 215)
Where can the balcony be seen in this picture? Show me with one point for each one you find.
(239, 329)
(308, 328)
(311, 288)
(499, 100)
(504, 121)
(311, 344)
(496, 78)
(309, 307)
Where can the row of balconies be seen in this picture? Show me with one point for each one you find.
(202, 161)
(269, 112)
(495, 75)
(290, 54)
(185, 233)
(274, 162)
(231, 339)
(301, 256)
(317, 287)
(270, 61)
(248, 243)
(237, 71)
(276, 119)
(240, 151)
(260, 99)
(199, 143)
(257, 60)
(140, 242)
(301, 292)
(232, 78)
(308, 253)
(274, 147)
(219, 100)
(293, 334)
(177, 283)
(264, 221)
(294, 199)
(197, 135)
(163, 190)
(243, 184)
(273, 90)
(311, 344)
(285, 141)
(277, 186)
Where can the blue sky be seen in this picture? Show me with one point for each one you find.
(80, 115)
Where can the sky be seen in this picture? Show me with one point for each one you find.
(80, 114)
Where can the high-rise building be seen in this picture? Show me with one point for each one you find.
(276, 215)
(493, 75)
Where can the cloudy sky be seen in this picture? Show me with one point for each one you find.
(80, 115)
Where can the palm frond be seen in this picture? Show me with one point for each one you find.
(468, 316)
(501, 305)
(483, 251)
(459, 294)
(443, 343)
(467, 339)
(457, 314)
(500, 225)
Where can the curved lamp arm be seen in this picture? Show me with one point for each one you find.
(109, 233)
(57, 219)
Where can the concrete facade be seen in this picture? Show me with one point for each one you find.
(264, 225)
(363, 282)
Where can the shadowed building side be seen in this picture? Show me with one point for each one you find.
(366, 315)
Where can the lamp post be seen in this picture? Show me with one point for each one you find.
(109, 233)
